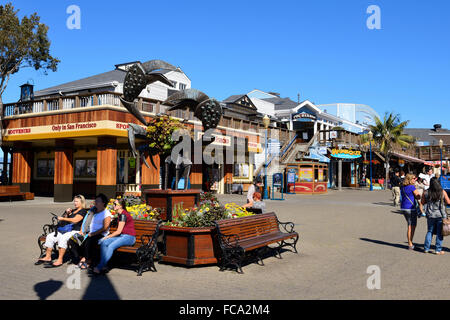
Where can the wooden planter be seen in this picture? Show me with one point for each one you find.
(167, 199)
(190, 246)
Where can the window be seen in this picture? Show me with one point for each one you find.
(45, 168)
(85, 168)
(182, 86)
(174, 83)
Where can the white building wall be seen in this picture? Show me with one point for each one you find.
(159, 90)
(264, 107)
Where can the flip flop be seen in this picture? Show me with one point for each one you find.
(53, 266)
(39, 262)
(83, 266)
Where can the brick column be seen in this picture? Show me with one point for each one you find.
(22, 160)
(63, 181)
(107, 166)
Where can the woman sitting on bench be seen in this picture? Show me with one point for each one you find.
(74, 217)
(256, 203)
(125, 235)
(93, 230)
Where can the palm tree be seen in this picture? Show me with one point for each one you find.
(387, 134)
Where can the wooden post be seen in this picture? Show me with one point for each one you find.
(106, 166)
(77, 101)
(22, 164)
(45, 105)
(150, 176)
(63, 180)
(95, 100)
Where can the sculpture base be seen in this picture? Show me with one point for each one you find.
(167, 199)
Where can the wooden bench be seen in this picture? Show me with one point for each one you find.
(145, 246)
(11, 191)
(252, 234)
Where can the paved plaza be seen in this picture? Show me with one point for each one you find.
(341, 235)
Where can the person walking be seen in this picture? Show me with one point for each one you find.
(396, 183)
(435, 199)
(427, 177)
(408, 206)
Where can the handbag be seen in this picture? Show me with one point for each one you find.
(66, 228)
(445, 221)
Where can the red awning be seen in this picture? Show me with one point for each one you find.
(408, 158)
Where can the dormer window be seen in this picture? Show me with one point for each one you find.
(182, 86)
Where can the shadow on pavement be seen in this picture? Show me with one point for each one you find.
(47, 288)
(396, 245)
(383, 204)
(100, 288)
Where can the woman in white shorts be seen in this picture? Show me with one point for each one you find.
(72, 216)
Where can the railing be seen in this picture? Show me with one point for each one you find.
(124, 188)
(112, 98)
(432, 153)
(72, 102)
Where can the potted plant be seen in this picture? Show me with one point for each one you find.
(190, 237)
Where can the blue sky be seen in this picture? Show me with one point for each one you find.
(320, 49)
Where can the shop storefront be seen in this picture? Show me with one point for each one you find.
(62, 154)
(306, 177)
(346, 167)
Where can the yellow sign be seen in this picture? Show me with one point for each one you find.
(345, 152)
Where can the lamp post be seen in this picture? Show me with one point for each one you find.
(370, 135)
(266, 122)
(441, 145)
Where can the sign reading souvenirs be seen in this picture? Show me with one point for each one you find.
(65, 129)
(304, 115)
(345, 154)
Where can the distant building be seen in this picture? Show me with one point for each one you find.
(429, 137)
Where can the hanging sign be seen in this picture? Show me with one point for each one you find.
(345, 154)
(304, 115)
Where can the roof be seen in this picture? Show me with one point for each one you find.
(93, 81)
(233, 98)
(96, 81)
(282, 103)
(429, 135)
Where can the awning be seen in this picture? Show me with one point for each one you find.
(408, 158)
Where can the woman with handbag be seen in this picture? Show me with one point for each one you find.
(69, 225)
(435, 199)
(408, 206)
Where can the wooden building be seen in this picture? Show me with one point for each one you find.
(72, 139)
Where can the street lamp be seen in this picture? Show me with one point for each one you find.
(441, 145)
(370, 135)
(266, 122)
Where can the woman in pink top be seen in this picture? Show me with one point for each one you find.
(125, 235)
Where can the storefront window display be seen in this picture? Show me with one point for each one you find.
(85, 168)
(45, 168)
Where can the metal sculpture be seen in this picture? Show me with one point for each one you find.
(207, 110)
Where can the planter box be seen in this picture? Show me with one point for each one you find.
(190, 246)
(167, 199)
